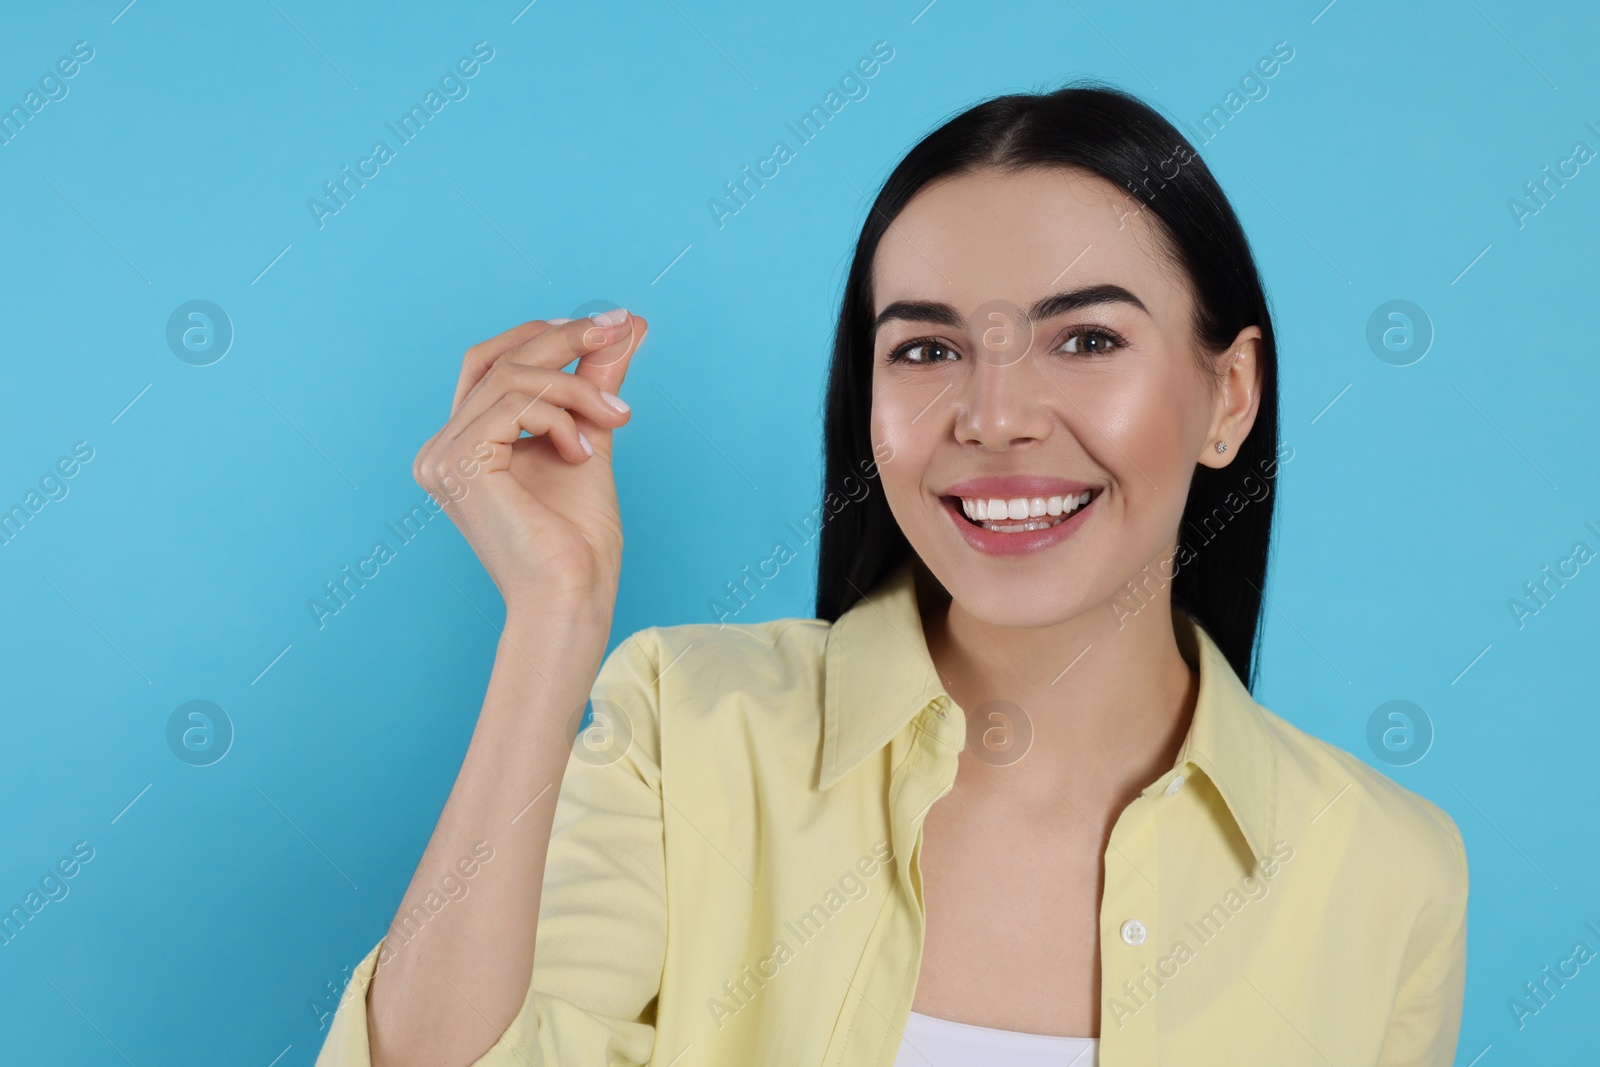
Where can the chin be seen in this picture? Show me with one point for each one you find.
(1043, 611)
(1012, 591)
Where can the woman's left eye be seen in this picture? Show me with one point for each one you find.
(922, 352)
(1090, 342)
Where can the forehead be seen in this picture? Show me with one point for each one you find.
(1013, 235)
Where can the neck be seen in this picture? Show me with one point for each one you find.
(1108, 695)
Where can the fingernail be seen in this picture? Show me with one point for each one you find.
(614, 400)
(557, 322)
(584, 441)
(614, 317)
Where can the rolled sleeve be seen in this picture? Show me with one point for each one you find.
(601, 942)
(1426, 1025)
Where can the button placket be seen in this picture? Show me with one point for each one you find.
(1129, 906)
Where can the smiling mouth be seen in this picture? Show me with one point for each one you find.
(1021, 514)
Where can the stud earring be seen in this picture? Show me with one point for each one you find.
(1222, 446)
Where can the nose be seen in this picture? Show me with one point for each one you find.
(1002, 404)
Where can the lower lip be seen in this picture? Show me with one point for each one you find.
(995, 543)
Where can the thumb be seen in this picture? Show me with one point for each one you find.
(606, 367)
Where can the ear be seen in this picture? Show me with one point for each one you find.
(1238, 398)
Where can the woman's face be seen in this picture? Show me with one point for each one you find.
(1032, 344)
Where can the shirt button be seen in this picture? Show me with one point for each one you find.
(1174, 785)
(1133, 932)
(938, 709)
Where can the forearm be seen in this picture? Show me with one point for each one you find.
(444, 994)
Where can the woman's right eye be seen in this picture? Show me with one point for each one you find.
(923, 352)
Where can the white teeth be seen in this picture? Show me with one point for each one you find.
(1034, 513)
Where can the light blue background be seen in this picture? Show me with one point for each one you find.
(219, 904)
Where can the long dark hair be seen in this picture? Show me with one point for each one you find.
(1111, 133)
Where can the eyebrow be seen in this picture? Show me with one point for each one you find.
(1056, 304)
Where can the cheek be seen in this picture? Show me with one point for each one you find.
(905, 430)
(1147, 414)
(893, 431)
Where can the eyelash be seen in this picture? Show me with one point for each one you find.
(898, 353)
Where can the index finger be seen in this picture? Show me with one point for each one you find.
(598, 338)
(481, 356)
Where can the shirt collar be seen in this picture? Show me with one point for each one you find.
(878, 675)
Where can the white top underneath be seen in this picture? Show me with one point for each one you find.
(931, 1042)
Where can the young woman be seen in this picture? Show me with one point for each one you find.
(1008, 799)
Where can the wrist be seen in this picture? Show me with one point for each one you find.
(545, 667)
(587, 606)
(569, 627)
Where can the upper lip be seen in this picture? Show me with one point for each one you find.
(1011, 486)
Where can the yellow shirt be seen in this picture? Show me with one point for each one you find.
(740, 886)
